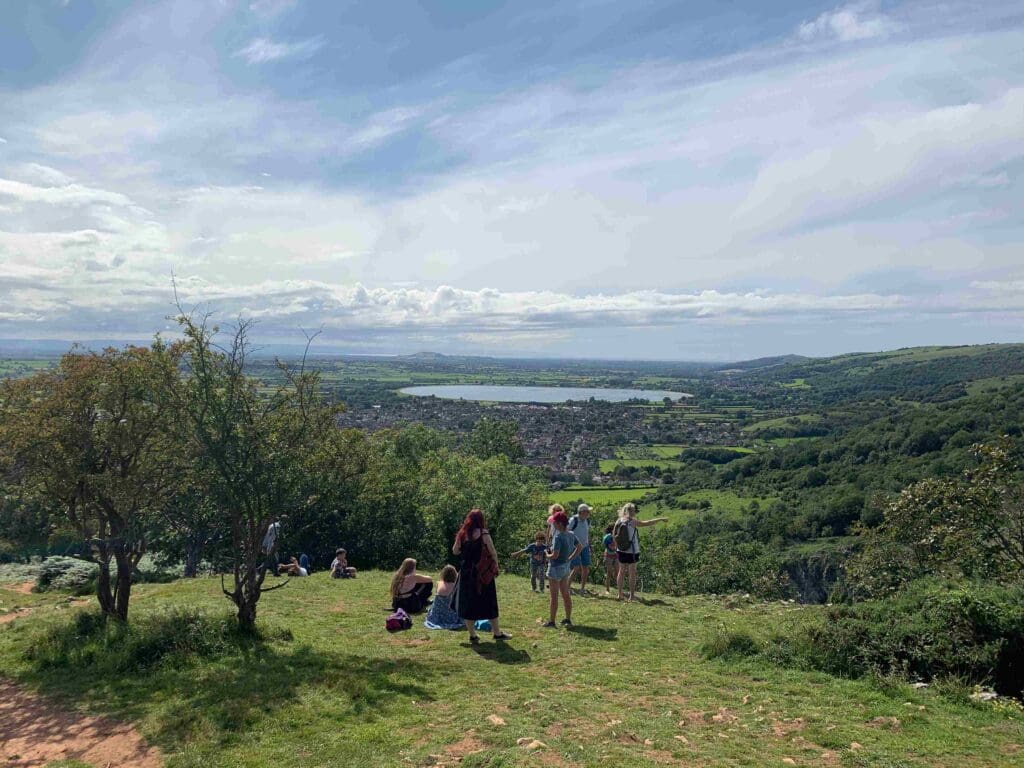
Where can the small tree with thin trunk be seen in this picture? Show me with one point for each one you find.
(92, 438)
(251, 447)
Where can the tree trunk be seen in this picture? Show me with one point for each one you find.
(123, 591)
(192, 551)
(103, 591)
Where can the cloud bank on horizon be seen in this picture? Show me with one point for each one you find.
(588, 178)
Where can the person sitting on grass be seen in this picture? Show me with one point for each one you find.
(538, 561)
(627, 545)
(441, 614)
(292, 569)
(611, 560)
(410, 591)
(304, 562)
(564, 547)
(340, 569)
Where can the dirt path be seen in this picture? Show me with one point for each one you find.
(35, 731)
(22, 588)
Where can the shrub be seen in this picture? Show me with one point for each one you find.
(970, 631)
(732, 645)
(66, 574)
(172, 637)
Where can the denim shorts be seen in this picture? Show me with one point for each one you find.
(558, 572)
(582, 559)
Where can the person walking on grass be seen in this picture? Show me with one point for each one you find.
(579, 526)
(538, 561)
(564, 547)
(476, 596)
(627, 545)
(611, 560)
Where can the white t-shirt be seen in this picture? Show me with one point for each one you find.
(302, 572)
(581, 530)
(270, 537)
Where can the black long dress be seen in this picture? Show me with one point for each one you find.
(471, 603)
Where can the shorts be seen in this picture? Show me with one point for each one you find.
(611, 557)
(583, 558)
(558, 572)
(628, 558)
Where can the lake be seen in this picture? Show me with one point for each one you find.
(512, 394)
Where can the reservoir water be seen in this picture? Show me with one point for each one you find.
(513, 394)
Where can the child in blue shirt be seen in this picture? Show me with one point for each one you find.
(538, 561)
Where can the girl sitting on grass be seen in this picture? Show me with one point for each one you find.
(410, 591)
(441, 614)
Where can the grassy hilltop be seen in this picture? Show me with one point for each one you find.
(631, 685)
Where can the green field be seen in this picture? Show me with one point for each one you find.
(628, 685)
(784, 421)
(724, 502)
(609, 465)
(598, 496)
(796, 384)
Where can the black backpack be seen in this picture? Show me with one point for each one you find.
(622, 537)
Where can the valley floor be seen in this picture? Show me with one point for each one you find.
(627, 687)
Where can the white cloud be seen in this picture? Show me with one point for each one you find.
(271, 8)
(262, 50)
(856, 21)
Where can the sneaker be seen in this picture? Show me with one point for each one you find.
(549, 624)
(566, 622)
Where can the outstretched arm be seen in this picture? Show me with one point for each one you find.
(652, 521)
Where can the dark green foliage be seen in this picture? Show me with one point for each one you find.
(973, 631)
(66, 574)
(730, 646)
(172, 637)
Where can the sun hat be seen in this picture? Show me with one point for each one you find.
(584, 508)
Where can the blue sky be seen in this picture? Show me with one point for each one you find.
(701, 180)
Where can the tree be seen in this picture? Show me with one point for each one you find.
(972, 525)
(92, 439)
(251, 448)
(494, 437)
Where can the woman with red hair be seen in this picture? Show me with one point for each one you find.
(476, 595)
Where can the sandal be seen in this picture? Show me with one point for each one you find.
(503, 636)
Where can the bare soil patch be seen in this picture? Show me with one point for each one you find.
(22, 588)
(35, 731)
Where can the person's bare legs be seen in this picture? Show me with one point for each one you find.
(471, 626)
(621, 578)
(496, 627)
(632, 581)
(567, 600)
(584, 575)
(554, 587)
(611, 573)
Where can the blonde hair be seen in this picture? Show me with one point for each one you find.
(555, 508)
(408, 566)
(449, 574)
(626, 511)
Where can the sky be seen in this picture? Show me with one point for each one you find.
(700, 180)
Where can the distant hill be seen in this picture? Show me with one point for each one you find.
(913, 373)
(761, 362)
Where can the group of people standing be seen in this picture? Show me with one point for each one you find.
(468, 597)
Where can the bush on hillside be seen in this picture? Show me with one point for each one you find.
(66, 574)
(173, 637)
(932, 629)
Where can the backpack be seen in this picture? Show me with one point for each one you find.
(573, 522)
(621, 536)
(398, 621)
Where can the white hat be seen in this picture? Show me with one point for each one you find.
(584, 508)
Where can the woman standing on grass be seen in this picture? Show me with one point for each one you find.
(476, 595)
(564, 547)
(627, 545)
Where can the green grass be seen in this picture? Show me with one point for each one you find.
(796, 384)
(631, 686)
(599, 496)
(724, 502)
(784, 421)
(609, 465)
(994, 384)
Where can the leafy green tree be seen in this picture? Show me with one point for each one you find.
(251, 448)
(494, 437)
(93, 438)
